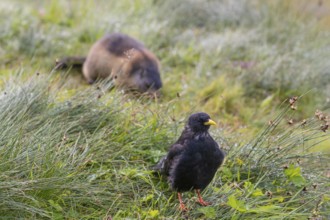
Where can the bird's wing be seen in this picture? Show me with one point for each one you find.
(164, 165)
(173, 154)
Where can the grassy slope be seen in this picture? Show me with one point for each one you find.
(65, 152)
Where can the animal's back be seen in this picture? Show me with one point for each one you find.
(105, 56)
(118, 44)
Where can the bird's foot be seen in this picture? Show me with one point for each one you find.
(203, 203)
(200, 199)
(183, 208)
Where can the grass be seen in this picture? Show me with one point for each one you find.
(90, 156)
(69, 150)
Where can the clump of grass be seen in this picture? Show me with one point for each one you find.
(58, 159)
(218, 97)
(88, 156)
(275, 174)
(212, 15)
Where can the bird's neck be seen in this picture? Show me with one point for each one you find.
(196, 135)
(201, 135)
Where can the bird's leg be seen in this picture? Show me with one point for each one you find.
(182, 206)
(200, 199)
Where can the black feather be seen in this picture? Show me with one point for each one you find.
(194, 158)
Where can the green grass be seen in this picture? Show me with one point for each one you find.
(74, 151)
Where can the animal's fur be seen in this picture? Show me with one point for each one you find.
(125, 60)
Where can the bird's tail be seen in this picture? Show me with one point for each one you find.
(160, 166)
(74, 62)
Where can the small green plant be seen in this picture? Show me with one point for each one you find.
(294, 175)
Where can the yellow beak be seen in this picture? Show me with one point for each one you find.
(210, 122)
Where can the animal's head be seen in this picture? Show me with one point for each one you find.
(200, 122)
(145, 79)
(140, 73)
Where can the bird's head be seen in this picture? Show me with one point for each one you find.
(200, 122)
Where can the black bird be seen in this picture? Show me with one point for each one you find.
(193, 159)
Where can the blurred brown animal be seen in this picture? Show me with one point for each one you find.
(125, 60)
